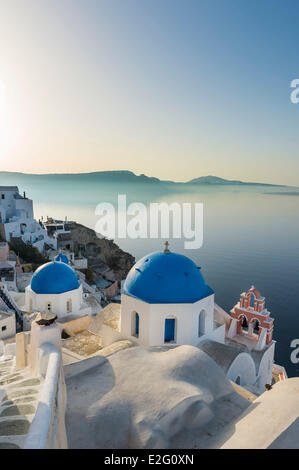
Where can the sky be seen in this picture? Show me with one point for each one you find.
(171, 88)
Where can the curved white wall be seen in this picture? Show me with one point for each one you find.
(265, 368)
(152, 320)
(59, 302)
(243, 367)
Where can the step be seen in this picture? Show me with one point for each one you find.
(8, 445)
(19, 401)
(8, 363)
(28, 382)
(17, 410)
(10, 395)
(10, 378)
(14, 426)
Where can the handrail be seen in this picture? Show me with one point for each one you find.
(41, 424)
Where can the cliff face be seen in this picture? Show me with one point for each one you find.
(103, 255)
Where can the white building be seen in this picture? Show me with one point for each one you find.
(165, 300)
(7, 325)
(55, 288)
(17, 219)
(68, 257)
(8, 274)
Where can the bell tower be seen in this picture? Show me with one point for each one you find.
(251, 321)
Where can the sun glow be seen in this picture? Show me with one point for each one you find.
(8, 128)
(2, 105)
(3, 120)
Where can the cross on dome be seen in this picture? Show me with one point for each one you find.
(166, 249)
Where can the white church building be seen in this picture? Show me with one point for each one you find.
(55, 288)
(166, 300)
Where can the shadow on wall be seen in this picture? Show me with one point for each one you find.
(288, 439)
(81, 412)
(142, 398)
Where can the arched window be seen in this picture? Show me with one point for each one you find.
(69, 305)
(252, 300)
(256, 327)
(202, 323)
(170, 330)
(244, 323)
(135, 324)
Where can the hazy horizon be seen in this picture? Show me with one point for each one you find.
(141, 174)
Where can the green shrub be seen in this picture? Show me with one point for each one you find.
(89, 275)
(28, 253)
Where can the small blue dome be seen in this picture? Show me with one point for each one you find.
(63, 258)
(166, 278)
(54, 278)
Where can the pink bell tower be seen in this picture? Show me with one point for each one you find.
(251, 321)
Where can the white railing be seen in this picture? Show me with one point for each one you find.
(47, 429)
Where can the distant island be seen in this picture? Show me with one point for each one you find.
(123, 176)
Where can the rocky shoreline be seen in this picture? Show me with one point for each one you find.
(105, 258)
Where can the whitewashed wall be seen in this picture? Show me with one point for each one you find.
(243, 366)
(10, 323)
(152, 320)
(39, 302)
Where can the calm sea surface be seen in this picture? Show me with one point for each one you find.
(251, 236)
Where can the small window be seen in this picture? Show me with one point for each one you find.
(135, 324)
(3, 328)
(169, 330)
(2, 196)
(69, 306)
(202, 323)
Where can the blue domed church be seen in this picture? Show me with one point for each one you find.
(55, 288)
(165, 300)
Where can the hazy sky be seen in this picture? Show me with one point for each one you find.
(171, 88)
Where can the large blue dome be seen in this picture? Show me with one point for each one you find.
(166, 278)
(54, 278)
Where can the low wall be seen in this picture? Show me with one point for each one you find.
(112, 290)
(47, 430)
(75, 326)
(222, 316)
(109, 335)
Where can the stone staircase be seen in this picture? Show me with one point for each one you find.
(19, 393)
